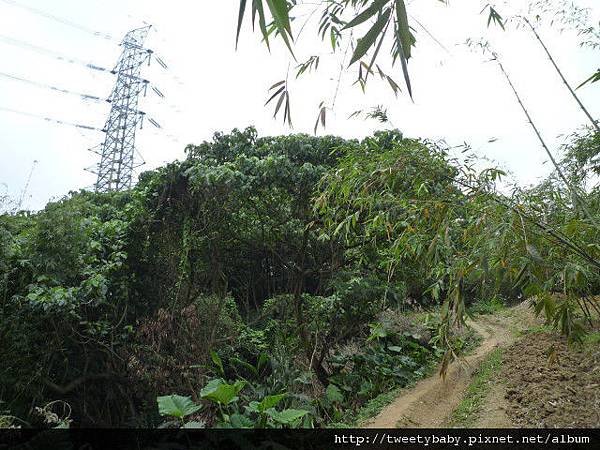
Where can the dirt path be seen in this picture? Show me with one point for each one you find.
(432, 400)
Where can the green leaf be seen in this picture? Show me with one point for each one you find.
(280, 12)
(220, 392)
(403, 61)
(406, 37)
(257, 9)
(333, 394)
(176, 406)
(270, 401)
(369, 12)
(263, 360)
(253, 407)
(217, 361)
(376, 52)
(593, 79)
(366, 42)
(496, 17)
(249, 367)
(240, 20)
(395, 348)
(287, 416)
(240, 421)
(194, 424)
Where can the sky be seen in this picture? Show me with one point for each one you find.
(210, 86)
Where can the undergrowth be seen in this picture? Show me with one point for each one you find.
(487, 305)
(467, 410)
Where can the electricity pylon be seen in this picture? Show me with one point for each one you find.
(117, 152)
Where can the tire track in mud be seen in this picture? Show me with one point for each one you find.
(431, 401)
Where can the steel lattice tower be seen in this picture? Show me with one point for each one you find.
(117, 152)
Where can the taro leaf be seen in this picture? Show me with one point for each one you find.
(270, 401)
(176, 406)
(194, 424)
(333, 394)
(220, 392)
(366, 42)
(240, 421)
(253, 407)
(287, 416)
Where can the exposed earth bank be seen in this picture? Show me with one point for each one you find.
(541, 382)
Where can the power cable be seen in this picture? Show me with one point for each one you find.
(57, 55)
(58, 19)
(50, 119)
(52, 88)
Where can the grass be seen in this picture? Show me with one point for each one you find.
(470, 341)
(543, 328)
(375, 405)
(467, 410)
(592, 338)
(370, 409)
(487, 306)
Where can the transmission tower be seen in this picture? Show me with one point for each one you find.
(117, 152)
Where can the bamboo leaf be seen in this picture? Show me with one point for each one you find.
(280, 12)
(403, 62)
(406, 38)
(279, 83)
(279, 91)
(257, 9)
(366, 42)
(281, 97)
(369, 12)
(376, 52)
(593, 79)
(240, 20)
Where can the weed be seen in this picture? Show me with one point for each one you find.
(467, 410)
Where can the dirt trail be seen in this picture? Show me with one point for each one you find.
(431, 401)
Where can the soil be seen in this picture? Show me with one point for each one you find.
(543, 381)
(549, 384)
(430, 403)
(494, 413)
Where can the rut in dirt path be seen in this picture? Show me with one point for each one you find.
(431, 401)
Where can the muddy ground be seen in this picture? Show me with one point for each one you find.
(549, 384)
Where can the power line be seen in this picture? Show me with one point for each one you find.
(49, 119)
(52, 88)
(56, 55)
(58, 19)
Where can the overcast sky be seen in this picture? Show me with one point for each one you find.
(211, 87)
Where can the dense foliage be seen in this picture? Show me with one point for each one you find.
(274, 281)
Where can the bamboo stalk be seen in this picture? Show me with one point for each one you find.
(543, 143)
(562, 77)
